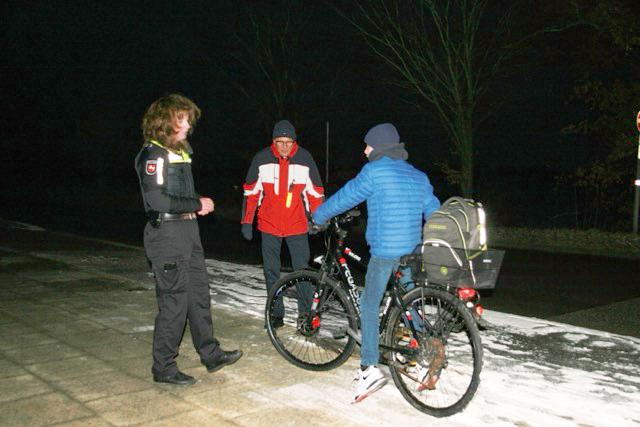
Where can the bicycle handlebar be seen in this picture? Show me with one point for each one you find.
(346, 217)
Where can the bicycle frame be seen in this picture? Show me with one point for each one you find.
(334, 264)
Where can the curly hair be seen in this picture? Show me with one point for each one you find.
(160, 117)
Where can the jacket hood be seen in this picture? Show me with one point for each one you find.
(395, 152)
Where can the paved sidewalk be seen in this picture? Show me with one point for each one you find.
(76, 322)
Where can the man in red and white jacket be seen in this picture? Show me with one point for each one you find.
(283, 185)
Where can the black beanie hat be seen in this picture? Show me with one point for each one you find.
(381, 136)
(284, 128)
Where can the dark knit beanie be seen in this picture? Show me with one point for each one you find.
(382, 136)
(284, 128)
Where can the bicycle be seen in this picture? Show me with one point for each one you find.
(429, 338)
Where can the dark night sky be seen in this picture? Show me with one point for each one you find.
(77, 77)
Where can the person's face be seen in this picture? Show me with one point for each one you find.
(367, 150)
(283, 145)
(181, 126)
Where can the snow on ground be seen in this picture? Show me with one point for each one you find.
(536, 372)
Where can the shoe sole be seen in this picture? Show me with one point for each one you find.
(175, 383)
(222, 365)
(377, 386)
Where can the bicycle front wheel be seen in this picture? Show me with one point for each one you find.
(311, 338)
(437, 371)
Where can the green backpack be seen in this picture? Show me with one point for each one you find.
(453, 237)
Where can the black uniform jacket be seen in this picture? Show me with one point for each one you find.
(166, 180)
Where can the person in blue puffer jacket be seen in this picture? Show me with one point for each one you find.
(399, 197)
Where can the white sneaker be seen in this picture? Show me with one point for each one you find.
(370, 380)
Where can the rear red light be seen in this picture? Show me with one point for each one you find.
(315, 322)
(466, 294)
(479, 310)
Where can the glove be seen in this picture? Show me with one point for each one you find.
(315, 228)
(247, 231)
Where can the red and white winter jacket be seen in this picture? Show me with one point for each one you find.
(283, 190)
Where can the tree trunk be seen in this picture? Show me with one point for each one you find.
(466, 158)
(462, 135)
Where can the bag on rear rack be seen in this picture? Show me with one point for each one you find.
(454, 250)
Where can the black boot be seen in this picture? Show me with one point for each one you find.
(223, 359)
(179, 378)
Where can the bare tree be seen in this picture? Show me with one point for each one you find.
(435, 51)
(447, 52)
(275, 69)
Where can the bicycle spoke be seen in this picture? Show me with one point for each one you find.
(442, 373)
(311, 339)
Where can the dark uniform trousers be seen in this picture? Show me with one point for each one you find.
(182, 292)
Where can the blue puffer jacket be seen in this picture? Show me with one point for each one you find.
(398, 197)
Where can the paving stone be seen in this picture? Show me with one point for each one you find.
(26, 340)
(37, 315)
(139, 407)
(4, 315)
(10, 369)
(97, 386)
(244, 402)
(144, 333)
(126, 322)
(16, 264)
(76, 304)
(15, 328)
(194, 418)
(86, 422)
(139, 366)
(6, 279)
(14, 388)
(291, 417)
(9, 296)
(41, 410)
(42, 353)
(52, 276)
(110, 344)
(69, 368)
(115, 350)
(65, 328)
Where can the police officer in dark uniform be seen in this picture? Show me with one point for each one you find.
(172, 239)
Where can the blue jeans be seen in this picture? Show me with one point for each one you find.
(378, 272)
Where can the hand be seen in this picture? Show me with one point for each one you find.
(316, 228)
(247, 231)
(207, 206)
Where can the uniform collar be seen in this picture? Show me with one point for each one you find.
(185, 154)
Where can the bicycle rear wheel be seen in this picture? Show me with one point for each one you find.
(441, 375)
(315, 340)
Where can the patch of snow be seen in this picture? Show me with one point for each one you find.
(536, 372)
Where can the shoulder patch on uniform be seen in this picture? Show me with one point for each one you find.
(151, 167)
